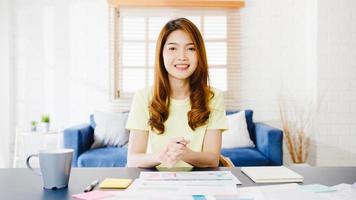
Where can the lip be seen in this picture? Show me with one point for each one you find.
(181, 66)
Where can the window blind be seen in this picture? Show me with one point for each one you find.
(134, 36)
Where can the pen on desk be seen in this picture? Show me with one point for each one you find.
(91, 186)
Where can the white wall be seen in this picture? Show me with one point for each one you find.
(306, 51)
(277, 43)
(54, 59)
(61, 50)
(278, 56)
(337, 82)
(5, 82)
(4, 79)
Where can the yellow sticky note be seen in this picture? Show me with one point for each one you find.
(115, 183)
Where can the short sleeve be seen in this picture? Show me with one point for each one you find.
(138, 117)
(217, 118)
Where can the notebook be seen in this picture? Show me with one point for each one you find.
(115, 183)
(272, 174)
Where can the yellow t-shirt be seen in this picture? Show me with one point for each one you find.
(177, 122)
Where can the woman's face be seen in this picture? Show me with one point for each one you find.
(179, 55)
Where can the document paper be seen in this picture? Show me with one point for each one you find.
(190, 183)
(190, 176)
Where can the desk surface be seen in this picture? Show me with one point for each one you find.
(21, 183)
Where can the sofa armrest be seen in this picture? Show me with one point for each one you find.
(79, 138)
(269, 142)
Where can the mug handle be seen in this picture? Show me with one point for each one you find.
(29, 165)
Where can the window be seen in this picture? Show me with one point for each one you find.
(136, 32)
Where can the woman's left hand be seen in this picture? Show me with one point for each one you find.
(176, 149)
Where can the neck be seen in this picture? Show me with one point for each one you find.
(179, 89)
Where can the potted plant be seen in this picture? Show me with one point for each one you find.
(33, 125)
(45, 120)
(297, 125)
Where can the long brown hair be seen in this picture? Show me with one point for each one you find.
(200, 92)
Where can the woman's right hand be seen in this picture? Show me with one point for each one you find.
(173, 151)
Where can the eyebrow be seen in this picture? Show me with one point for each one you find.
(174, 43)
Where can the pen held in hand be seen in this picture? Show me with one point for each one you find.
(181, 142)
(91, 186)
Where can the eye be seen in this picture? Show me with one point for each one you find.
(191, 48)
(172, 48)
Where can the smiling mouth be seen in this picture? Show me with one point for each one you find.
(182, 67)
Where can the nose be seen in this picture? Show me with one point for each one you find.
(181, 55)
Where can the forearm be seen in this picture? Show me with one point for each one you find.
(142, 160)
(201, 159)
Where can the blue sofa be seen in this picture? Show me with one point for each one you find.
(268, 150)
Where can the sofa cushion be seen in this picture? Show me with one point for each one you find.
(110, 129)
(249, 156)
(237, 135)
(92, 121)
(249, 121)
(103, 157)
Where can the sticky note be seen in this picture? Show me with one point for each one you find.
(93, 195)
(115, 183)
(198, 197)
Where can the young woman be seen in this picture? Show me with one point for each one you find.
(178, 122)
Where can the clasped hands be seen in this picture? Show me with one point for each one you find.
(173, 152)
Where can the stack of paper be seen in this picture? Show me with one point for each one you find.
(187, 183)
(272, 174)
(290, 191)
(128, 195)
(293, 191)
(190, 176)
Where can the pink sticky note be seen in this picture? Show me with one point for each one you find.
(93, 195)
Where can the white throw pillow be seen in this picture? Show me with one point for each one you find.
(110, 129)
(237, 135)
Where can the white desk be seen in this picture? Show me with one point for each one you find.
(29, 142)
